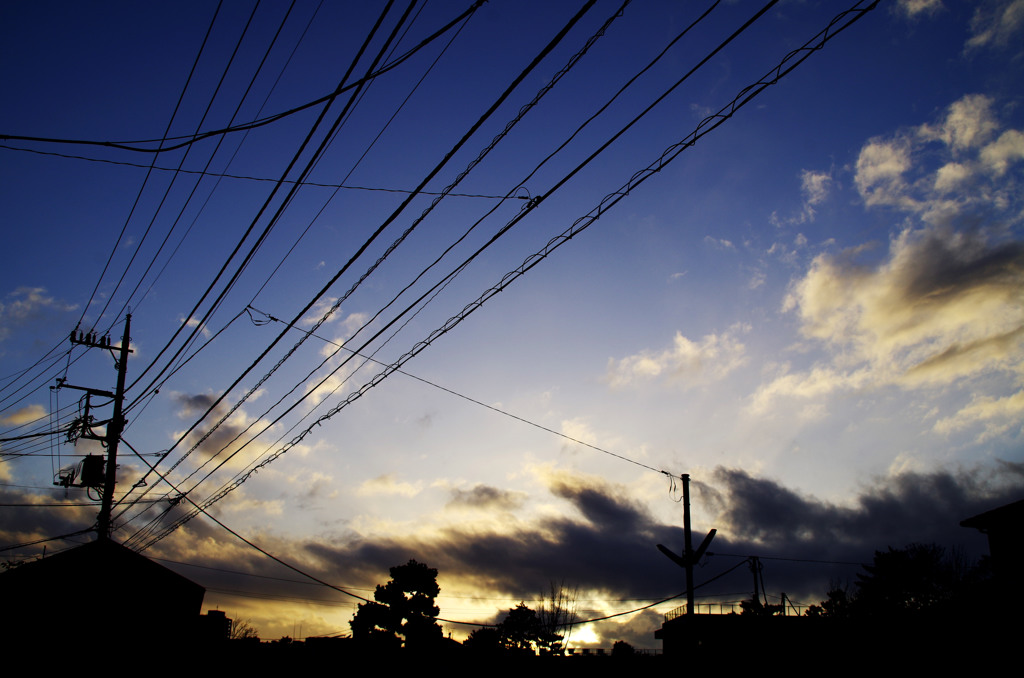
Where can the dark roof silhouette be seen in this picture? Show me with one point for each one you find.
(95, 590)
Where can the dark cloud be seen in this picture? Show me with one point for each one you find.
(613, 549)
(761, 517)
(213, 444)
(609, 553)
(602, 504)
(487, 497)
(949, 265)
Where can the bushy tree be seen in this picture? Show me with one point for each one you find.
(523, 630)
(910, 580)
(404, 613)
(836, 606)
(485, 640)
(919, 579)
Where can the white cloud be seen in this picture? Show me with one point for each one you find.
(815, 185)
(193, 322)
(951, 177)
(942, 306)
(997, 414)
(28, 305)
(687, 362)
(1008, 148)
(25, 415)
(914, 7)
(944, 303)
(971, 175)
(969, 123)
(389, 485)
(995, 23)
(880, 169)
(719, 243)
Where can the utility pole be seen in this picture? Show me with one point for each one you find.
(688, 543)
(116, 424)
(689, 557)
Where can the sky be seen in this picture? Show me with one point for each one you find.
(813, 308)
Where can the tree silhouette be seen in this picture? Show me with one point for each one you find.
(242, 629)
(523, 630)
(404, 614)
(837, 606)
(485, 640)
(915, 581)
(918, 578)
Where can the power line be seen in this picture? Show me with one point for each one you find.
(227, 175)
(394, 245)
(189, 140)
(394, 215)
(789, 62)
(473, 400)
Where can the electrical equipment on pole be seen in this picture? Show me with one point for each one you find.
(92, 472)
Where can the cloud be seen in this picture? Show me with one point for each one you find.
(879, 173)
(969, 123)
(719, 243)
(943, 306)
(30, 307)
(971, 175)
(998, 415)
(686, 362)
(912, 8)
(388, 485)
(486, 497)
(896, 510)
(995, 23)
(607, 550)
(193, 322)
(1001, 153)
(943, 303)
(24, 415)
(938, 295)
(230, 440)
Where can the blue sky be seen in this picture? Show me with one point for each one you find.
(815, 310)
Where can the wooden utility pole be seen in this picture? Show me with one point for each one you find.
(116, 424)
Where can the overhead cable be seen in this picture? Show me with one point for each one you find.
(793, 59)
(189, 140)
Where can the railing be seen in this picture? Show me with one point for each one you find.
(726, 608)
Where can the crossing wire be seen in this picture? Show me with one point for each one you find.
(486, 115)
(337, 304)
(837, 25)
(191, 139)
(442, 284)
